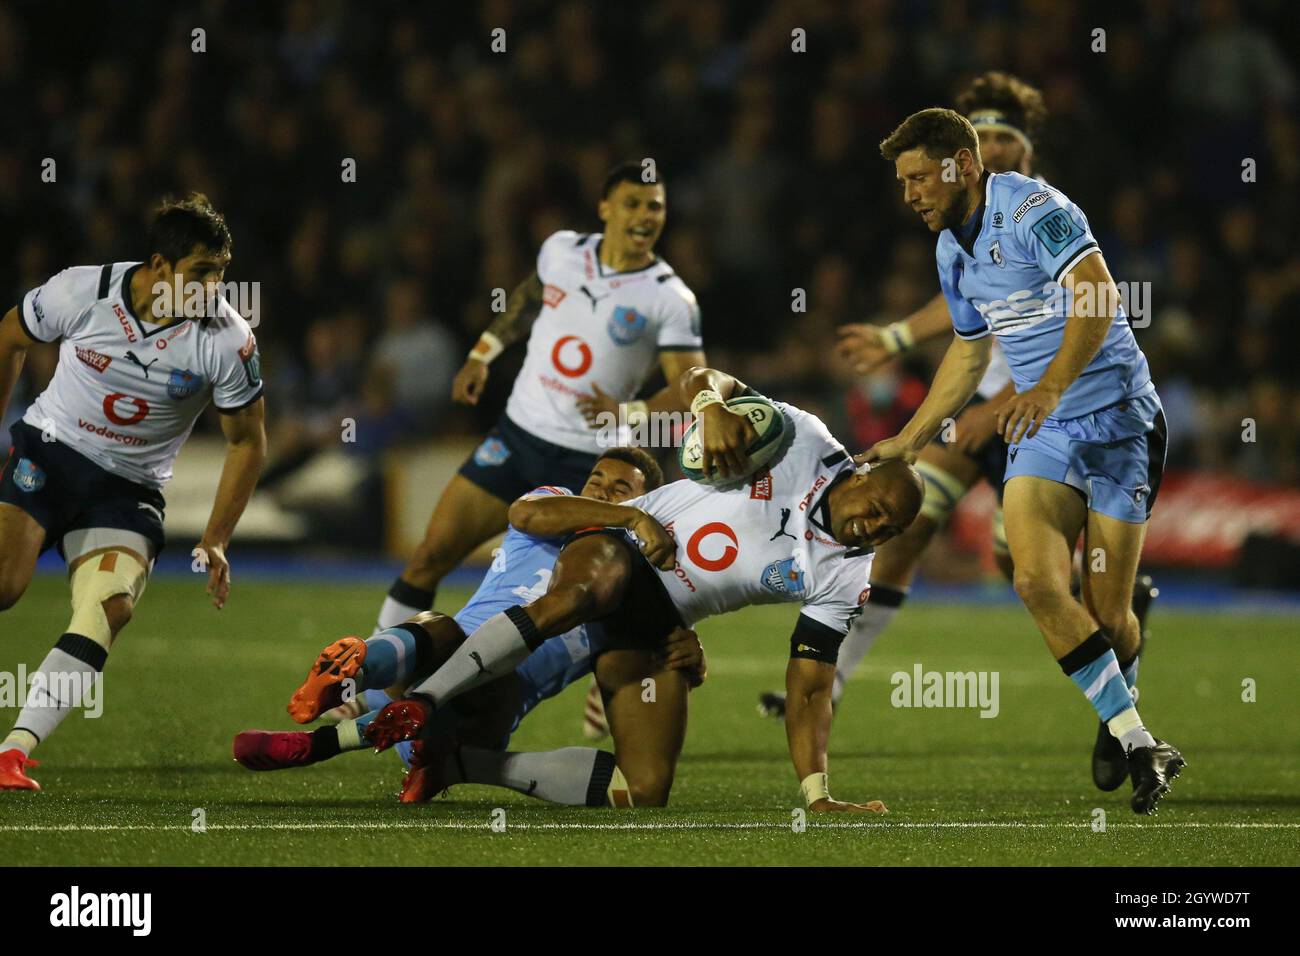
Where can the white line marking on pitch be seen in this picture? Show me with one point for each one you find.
(685, 825)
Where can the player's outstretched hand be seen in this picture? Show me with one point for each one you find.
(213, 556)
(896, 447)
(724, 438)
(861, 344)
(656, 543)
(467, 388)
(1022, 414)
(593, 405)
(827, 805)
(685, 653)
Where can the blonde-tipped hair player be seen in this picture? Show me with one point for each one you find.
(1007, 114)
(601, 312)
(93, 451)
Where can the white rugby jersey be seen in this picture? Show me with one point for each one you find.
(126, 391)
(596, 326)
(768, 539)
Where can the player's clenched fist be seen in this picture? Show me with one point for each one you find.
(828, 805)
(724, 438)
(862, 345)
(467, 388)
(656, 543)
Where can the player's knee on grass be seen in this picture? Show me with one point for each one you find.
(11, 589)
(650, 784)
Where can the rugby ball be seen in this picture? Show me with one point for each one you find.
(768, 422)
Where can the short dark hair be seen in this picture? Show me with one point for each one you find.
(180, 225)
(1021, 103)
(630, 172)
(638, 458)
(939, 132)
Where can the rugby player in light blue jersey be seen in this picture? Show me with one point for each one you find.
(476, 733)
(1017, 259)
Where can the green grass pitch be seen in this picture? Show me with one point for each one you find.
(123, 789)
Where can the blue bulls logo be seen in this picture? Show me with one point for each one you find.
(783, 577)
(626, 325)
(493, 451)
(28, 475)
(182, 384)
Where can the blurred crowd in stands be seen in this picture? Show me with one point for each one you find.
(1180, 140)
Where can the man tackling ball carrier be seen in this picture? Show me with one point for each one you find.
(801, 529)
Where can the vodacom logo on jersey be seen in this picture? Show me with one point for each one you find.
(136, 409)
(722, 561)
(583, 355)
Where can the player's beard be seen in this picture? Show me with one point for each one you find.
(954, 213)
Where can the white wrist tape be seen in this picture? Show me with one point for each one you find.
(703, 399)
(815, 788)
(486, 348)
(898, 338)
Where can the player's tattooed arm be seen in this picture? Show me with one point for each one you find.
(554, 516)
(245, 431)
(522, 308)
(14, 342)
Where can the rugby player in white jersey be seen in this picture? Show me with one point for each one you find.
(601, 312)
(1007, 114)
(800, 530)
(93, 451)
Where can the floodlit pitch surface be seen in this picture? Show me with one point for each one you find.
(1013, 789)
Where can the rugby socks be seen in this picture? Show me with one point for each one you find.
(573, 776)
(395, 656)
(1129, 669)
(1095, 671)
(495, 649)
(69, 677)
(877, 613)
(403, 602)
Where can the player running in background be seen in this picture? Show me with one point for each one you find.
(1007, 114)
(93, 451)
(599, 313)
(799, 530)
(1017, 259)
(479, 728)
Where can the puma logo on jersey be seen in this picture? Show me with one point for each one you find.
(134, 358)
(785, 519)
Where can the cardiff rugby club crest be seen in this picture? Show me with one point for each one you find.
(493, 451)
(784, 577)
(183, 384)
(28, 475)
(626, 325)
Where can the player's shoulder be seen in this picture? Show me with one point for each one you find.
(227, 328)
(550, 490)
(809, 431)
(569, 240)
(84, 284)
(669, 284)
(1018, 196)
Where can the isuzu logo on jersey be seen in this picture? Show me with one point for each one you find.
(92, 358)
(126, 326)
(139, 408)
(558, 354)
(784, 577)
(182, 384)
(728, 556)
(626, 325)
(552, 295)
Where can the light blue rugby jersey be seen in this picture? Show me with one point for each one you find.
(519, 574)
(1029, 235)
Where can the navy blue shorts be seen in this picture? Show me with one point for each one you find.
(991, 456)
(511, 462)
(65, 491)
(646, 615)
